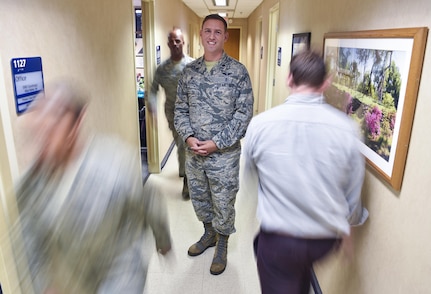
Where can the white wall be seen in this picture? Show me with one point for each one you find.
(391, 254)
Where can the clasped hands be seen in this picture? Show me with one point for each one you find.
(203, 148)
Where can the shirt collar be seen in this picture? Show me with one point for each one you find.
(309, 98)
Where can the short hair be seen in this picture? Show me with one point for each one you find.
(60, 97)
(175, 30)
(308, 68)
(216, 17)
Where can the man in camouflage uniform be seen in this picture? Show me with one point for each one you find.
(166, 76)
(213, 109)
(85, 219)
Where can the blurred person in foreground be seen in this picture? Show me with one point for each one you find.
(304, 159)
(167, 75)
(85, 220)
(212, 112)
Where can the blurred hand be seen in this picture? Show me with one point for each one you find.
(153, 110)
(165, 250)
(347, 247)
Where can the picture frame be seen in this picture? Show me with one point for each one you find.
(300, 41)
(375, 80)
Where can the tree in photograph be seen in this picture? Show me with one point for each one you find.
(382, 61)
(393, 83)
(363, 55)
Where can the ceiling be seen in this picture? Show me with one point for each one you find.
(235, 8)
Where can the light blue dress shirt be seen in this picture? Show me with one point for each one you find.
(309, 170)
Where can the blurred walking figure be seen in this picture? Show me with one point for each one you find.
(167, 75)
(85, 219)
(212, 112)
(304, 156)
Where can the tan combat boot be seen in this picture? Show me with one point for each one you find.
(220, 255)
(207, 240)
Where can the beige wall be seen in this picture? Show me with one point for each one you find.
(88, 41)
(391, 254)
(258, 67)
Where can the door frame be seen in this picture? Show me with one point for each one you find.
(272, 55)
(258, 65)
(148, 39)
(8, 175)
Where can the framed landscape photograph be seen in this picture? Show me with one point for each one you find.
(299, 42)
(375, 80)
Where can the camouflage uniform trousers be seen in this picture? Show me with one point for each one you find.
(213, 183)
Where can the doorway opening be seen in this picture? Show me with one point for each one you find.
(140, 87)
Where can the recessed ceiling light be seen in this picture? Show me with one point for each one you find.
(220, 2)
(222, 14)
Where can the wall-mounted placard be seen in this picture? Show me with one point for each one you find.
(300, 42)
(27, 77)
(158, 55)
(279, 56)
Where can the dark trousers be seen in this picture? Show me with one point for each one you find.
(284, 263)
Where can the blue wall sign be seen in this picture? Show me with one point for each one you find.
(27, 79)
(158, 55)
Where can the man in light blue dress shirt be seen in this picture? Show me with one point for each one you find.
(308, 171)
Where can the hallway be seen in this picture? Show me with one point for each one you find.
(179, 273)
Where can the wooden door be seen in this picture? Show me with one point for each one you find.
(231, 47)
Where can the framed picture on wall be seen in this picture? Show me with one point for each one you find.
(300, 41)
(375, 80)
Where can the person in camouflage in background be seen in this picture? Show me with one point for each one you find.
(213, 109)
(166, 76)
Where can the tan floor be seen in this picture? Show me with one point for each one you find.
(179, 273)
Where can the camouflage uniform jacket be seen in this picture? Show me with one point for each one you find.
(214, 105)
(167, 76)
(85, 228)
